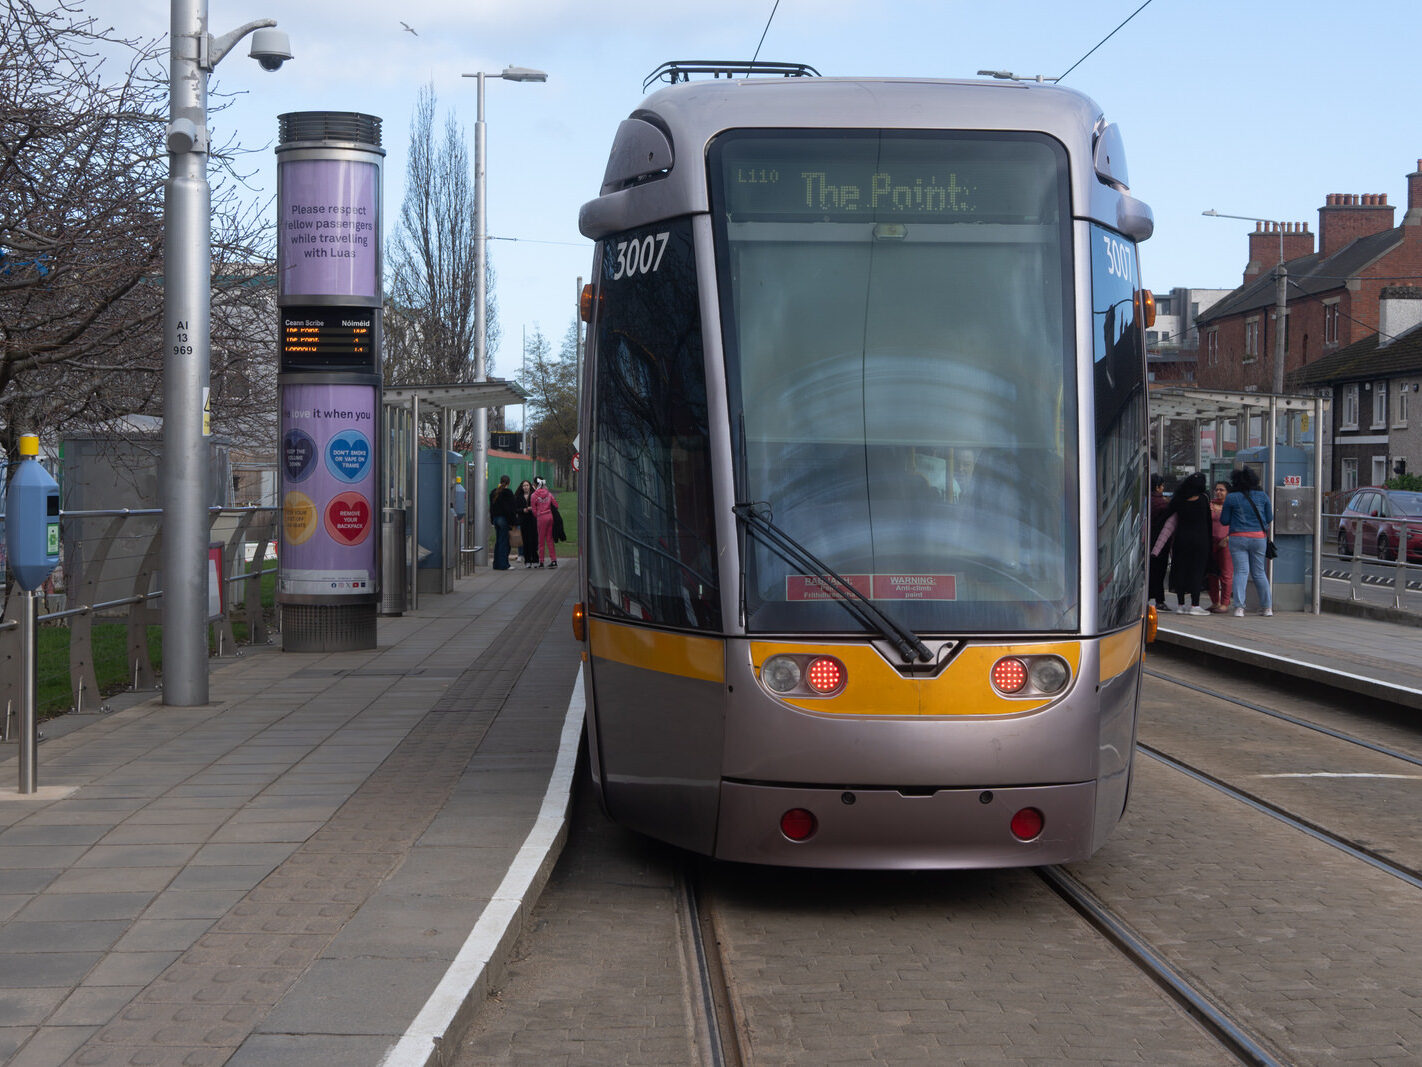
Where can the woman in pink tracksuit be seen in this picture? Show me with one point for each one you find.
(543, 502)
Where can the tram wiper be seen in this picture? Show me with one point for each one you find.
(855, 602)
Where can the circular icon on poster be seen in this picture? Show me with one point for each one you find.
(298, 518)
(348, 455)
(348, 518)
(298, 454)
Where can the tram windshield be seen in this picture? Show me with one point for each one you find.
(897, 321)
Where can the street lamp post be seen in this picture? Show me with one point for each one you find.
(187, 251)
(479, 512)
(1281, 295)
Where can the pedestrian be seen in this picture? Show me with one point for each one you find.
(1220, 576)
(1159, 509)
(527, 522)
(1247, 512)
(1187, 530)
(501, 513)
(543, 502)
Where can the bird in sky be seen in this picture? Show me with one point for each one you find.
(409, 28)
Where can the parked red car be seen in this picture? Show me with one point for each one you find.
(1377, 520)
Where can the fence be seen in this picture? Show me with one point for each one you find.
(1348, 539)
(109, 576)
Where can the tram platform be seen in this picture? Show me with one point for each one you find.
(330, 862)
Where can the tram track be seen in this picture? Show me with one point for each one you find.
(1293, 720)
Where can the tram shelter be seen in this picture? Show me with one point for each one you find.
(1278, 435)
(424, 546)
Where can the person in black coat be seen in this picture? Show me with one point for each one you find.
(527, 523)
(1188, 528)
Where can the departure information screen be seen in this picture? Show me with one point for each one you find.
(948, 177)
(327, 338)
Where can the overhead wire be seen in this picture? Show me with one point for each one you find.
(763, 32)
(1099, 43)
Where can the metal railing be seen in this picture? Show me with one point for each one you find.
(1401, 577)
(110, 574)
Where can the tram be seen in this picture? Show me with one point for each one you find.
(864, 449)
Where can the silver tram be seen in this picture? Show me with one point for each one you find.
(864, 463)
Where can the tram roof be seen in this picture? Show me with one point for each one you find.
(656, 169)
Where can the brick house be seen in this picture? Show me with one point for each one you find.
(1376, 386)
(1333, 293)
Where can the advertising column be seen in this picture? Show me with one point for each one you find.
(329, 169)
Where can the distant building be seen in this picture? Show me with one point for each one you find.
(1334, 293)
(1173, 343)
(1377, 404)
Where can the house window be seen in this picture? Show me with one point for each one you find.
(1349, 418)
(1399, 407)
(1251, 338)
(1330, 324)
(1212, 346)
(1349, 474)
(1379, 470)
(1379, 404)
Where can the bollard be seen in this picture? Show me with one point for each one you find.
(29, 695)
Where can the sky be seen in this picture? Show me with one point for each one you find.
(1250, 107)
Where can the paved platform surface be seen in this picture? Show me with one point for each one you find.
(329, 862)
(288, 875)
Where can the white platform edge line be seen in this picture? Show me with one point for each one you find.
(418, 1044)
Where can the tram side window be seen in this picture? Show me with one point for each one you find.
(652, 552)
(1120, 429)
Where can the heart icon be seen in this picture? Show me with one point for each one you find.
(348, 518)
(348, 455)
(298, 453)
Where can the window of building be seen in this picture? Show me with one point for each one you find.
(1399, 406)
(1212, 346)
(1379, 470)
(1349, 474)
(1251, 339)
(1349, 419)
(1379, 404)
(1330, 323)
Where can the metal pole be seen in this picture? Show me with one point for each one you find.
(1281, 309)
(186, 310)
(1317, 505)
(415, 503)
(29, 694)
(479, 506)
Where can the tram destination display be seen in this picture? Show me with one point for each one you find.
(327, 338)
(940, 178)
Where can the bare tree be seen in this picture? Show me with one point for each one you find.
(82, 166)
(553, 395)
(429, 308)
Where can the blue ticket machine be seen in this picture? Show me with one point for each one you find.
(32, 518)
(32, 540)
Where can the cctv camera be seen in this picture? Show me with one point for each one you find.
(271, 48)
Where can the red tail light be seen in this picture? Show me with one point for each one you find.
(1027, 824)
(825, 675)
(798, 824)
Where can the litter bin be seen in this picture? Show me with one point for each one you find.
(393, 573)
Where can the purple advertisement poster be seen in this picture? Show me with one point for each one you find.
(328, 229)
(328, 481)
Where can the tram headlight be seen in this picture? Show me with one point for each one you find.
(1048, 674)
(781, 674)
(1009, 675)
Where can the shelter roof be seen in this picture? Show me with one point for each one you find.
(457, 396)
(1209, 404)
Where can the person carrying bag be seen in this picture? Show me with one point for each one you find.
(1249, 543)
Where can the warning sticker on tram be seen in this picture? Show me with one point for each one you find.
(802, 587)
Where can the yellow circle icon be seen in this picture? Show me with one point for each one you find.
(298, 517)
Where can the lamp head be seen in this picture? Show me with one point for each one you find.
(523, 74)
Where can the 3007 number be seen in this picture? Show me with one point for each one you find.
(640, 256)
(1122, 263)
